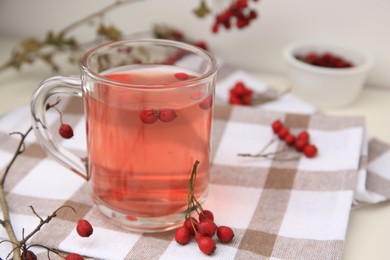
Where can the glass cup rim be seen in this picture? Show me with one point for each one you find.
(186, 83)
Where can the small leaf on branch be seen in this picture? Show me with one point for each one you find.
(202, 10)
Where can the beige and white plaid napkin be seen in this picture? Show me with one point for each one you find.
(295, 209)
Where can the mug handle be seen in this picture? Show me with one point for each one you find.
(58, 85)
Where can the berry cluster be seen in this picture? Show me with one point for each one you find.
(203, 231)
(240, 94)
(238, 13)
(300, 142)
(204, 228)
(327, 60)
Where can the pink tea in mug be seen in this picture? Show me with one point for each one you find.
(148, 111)
(142, 144)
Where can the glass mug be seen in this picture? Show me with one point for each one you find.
(148, 107)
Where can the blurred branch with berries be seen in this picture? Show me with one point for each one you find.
(228, 14)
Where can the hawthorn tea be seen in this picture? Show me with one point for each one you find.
(148, 108)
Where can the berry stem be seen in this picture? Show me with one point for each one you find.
(192, 201)
(264, 155)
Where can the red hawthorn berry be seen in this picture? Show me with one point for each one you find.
(207, 228)
(252, 14)
(182, 235)
(241, 23)
(178, 35)
(240, 94)
(181, 76)
(234, 100)
(206, 103)
(74, 256)
(283, 132)
(84, 228)
(215, 28)
(300, 144)
(310, 151)
(246, 100)
(206, 245)
(167, 115)
(276, 126)
(239, 89)
(149, 116)
(304, 135)
(28, 255)
(201, 44)
(289, 139)
(197, 236)
(206, 214)
(66, 131)
(227, 24)
(225, 234)
(197, 95)
(188, 225)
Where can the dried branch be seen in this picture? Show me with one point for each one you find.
(32, 49)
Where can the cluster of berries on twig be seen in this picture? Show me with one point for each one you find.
(301, 142)
(240, 94)
(238, 13)
(204, 228)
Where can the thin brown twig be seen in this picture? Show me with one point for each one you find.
(21, 143)
(43, 221)
(6, 221)
(17, 59)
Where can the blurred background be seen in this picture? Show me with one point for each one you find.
(258, 47)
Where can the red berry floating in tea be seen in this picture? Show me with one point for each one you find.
(181, 76)
(149, 116)
(167, 115)
(207, 103)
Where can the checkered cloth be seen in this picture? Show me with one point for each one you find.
(297, 209)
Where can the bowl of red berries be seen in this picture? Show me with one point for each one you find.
(326, 74)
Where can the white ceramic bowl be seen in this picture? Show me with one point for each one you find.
(326, 87)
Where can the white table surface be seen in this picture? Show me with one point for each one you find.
(369, 228)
